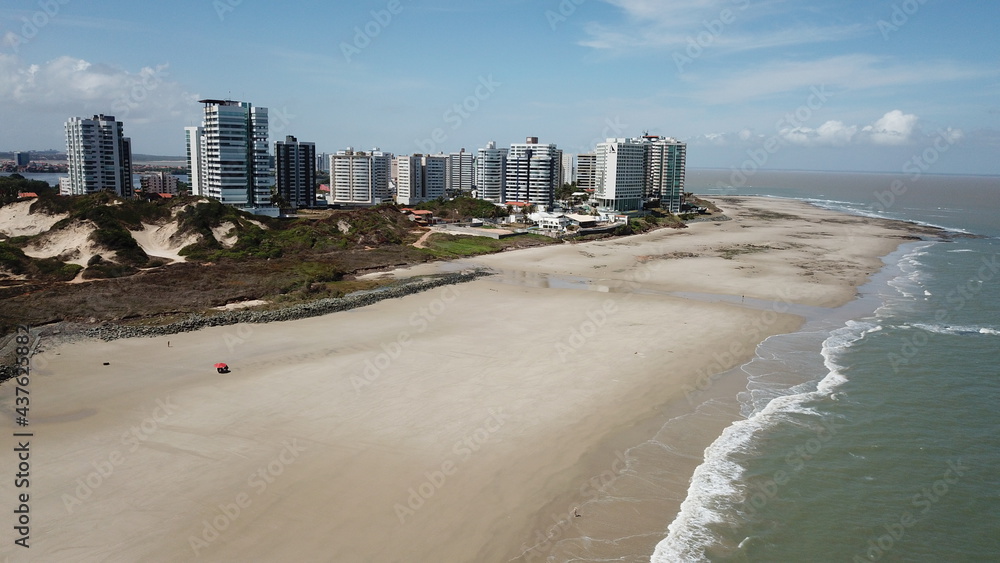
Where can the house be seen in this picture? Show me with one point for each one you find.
(552, 221)
(422, 217)
(583, 221)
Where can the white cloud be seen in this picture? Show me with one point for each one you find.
(894, 128)
(831, 133)
(78, 87)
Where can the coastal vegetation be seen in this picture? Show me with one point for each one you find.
(220, 255)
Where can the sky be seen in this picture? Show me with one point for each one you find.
(855, 85)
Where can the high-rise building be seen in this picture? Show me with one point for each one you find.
(99, 156)
(360, 178)
(666, 163)
(621, 174)
(586, 171)
(22, 159)
(532, 172)
(491, 168)
(461, 172)
(295, 164)
(236, 160)
(409, 179)
(658, 161)
(322, 162)
(420, 178)
(567, 172)
(159, 183)
(193, 137)
(435, 172)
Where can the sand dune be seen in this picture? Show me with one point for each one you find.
(16, 220)
(162, 240)
(71, 244)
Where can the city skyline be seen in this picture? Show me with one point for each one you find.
(867, 86)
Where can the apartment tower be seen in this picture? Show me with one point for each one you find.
(99, 156)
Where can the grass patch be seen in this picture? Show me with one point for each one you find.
(441, 245)
(731, 252)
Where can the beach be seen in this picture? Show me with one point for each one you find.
(471, 422)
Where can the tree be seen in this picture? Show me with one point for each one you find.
(279, 200)
(565, 191)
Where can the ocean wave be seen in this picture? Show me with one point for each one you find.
(913, 272)
(954, 329)
(715, 489)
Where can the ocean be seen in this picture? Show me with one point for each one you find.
(53, 177)
(873, 434)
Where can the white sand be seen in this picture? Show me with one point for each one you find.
(16, 220)
(71, 244)
(486, 398)
(162, 241)
(225, 235)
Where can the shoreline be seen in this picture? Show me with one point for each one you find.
(559, 414)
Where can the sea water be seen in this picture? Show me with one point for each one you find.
(874, 433)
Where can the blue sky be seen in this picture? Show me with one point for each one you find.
(825, 85)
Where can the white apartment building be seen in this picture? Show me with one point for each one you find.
(435, 170)
(567, 173)
(193, 137)
(236, 160)
(532, 172)
(159, 183)
(99, 156)
(409, 179)
(586, 171)
(666, 164)
(491, 168)
(360, 178)
(621, 174)
(461, 173)
(633, 170)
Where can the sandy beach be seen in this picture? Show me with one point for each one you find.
(449, 425)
